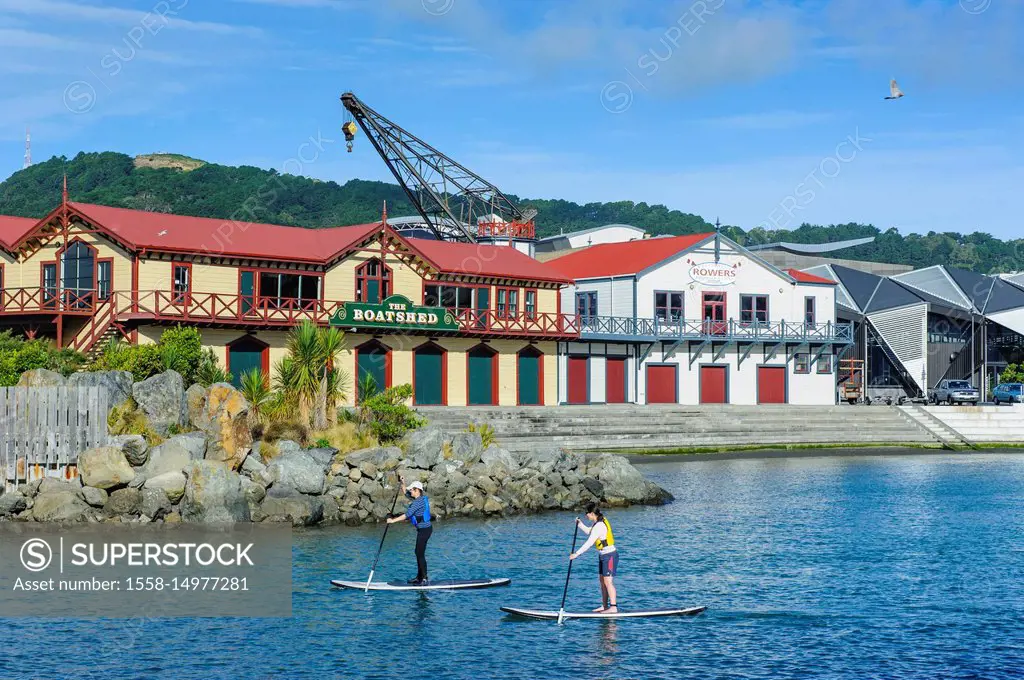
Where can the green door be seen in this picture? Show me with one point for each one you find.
(247, 289)
(529, 377)
(428, 375)
(483, 301)
(373, 363)
(243, 356)
(373, 291)
(481, 377)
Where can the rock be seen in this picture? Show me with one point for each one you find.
(621, 480)
(495, 455)
(139, 481)
(40, 377)
(171, 484)
(124, 502)
(31, 489)
(484, 483)
(252, 465)
(298, 471)
(493, 504)
(323, 456)
(286, 446)
(355, 474)
(287, 506)
(570, 478)
(55, 485)
(224, 417)
(133, 446)
(97, 498)
(254, 493)
(213, 493)
(155, 504)
(548, 459)
(104, 467)
(117, 385)
(332, 512)
(593, 486)
(383, 458)
(368, 469)
(59, 506)
(162, 399)
(12, 503)
(175, 454)
(457, 483)
(424, 447)
(195, 398)
(172, 517)
(467, 447)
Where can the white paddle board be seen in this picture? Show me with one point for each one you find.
(445, 584)
(639, 614)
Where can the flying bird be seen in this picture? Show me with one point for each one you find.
(894, 90)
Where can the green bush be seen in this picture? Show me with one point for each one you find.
(127, 419)
(142, 361)
(322, 443)
(209, 371)
(387, 415)
(18, 355)
(181, 348)
(486, 433)
(1012, 373)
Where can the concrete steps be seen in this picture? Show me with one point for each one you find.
(988, 424)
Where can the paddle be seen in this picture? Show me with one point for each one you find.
(565, 591)
(381, 546)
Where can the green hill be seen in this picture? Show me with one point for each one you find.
(188, 186)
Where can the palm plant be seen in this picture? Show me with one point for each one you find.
(255, 387)
(330, 341)
(305, 366)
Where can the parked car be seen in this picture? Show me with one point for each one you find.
(954, 392)
(1008, 393)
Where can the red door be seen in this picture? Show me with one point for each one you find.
(712, 385)
(615, 380)
(661, 384)
(771, 384)
(579, 392)
(714, 313)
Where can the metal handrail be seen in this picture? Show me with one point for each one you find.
(730, 329)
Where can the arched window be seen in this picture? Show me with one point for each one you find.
(373, 281)
(78, 265)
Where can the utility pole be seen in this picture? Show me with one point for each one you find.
(28, 148)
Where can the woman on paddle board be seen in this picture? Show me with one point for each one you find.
(418, 514)
(601, 537)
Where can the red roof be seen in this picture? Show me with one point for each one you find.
(13, 228)
(178, 233)
(620, 259)
(804, 277)
(484, 260)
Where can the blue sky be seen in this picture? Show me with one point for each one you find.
(763, 113)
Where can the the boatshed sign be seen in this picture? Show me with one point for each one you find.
(713, 273)
(396, 312)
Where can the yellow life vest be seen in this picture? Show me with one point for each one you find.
(602, 544)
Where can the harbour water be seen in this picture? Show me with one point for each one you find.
(853, 567)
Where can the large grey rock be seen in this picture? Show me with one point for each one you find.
(171, 484)
(195, 399)
(253, 466)
(286, 446)
(175, 454)
(124, 502)
(12, 503)
(134, 447)
(323, 456)
(61, 506)
(254, 492)
(622, 483)
(213, 493)
(40, 377)
(55, 484)
(104, 467)
(223, 416)
(423, 447)
(457, 483)
(285, 505)
(117, 385)
(547, 459)
(495, 455)
(467, 447)
(383, 458)
(97, 498)
(155, 504)
(162, 399)
(299, 471)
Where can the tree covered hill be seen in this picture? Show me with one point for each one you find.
(177, 184)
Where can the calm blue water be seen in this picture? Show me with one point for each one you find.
(876, 567)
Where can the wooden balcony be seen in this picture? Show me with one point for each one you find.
(672, 330)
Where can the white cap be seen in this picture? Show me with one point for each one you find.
(415, 485)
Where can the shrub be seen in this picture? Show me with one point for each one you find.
(209, 370)
(1012, 373)
(322, 443)
(347, 437)
(142, 361)
(181, 348)
(255, 387)
(18, 355)
(287, 429)
(127, 419)
(387, 416)
(269, 451)
(486, 433)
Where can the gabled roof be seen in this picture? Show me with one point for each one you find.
(890, 295)
(12, 229)
(975, 286)
(859, 285)
(1003, 296)
(476, 259)
(623, 259)
(936, 281)
(804, 277)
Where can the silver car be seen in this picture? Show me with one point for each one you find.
(955, 392)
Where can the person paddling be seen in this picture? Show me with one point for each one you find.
(601, 537)
(418, 514)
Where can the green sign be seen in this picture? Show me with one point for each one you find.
(396, 312)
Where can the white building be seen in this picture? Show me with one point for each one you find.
(696, 319)
(552, 246)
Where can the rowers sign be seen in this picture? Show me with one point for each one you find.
(396, 312)
(713, 273)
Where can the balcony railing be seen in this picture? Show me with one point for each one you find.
(629, 328)
(48, 299)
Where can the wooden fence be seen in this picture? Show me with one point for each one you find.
(43, 429)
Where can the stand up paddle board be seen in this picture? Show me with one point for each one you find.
(446, 584)
(553, 616)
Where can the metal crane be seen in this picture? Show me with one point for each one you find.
(456, 204)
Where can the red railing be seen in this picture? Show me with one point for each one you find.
(47, 300)
(506, 230)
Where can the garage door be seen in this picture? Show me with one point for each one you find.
(615, 377)
(771, 384)
(712, 385)
(578, 387)
(661, 384)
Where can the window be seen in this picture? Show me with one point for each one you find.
(49, 281)
(78, 271)
(802, 363)
(668, 307)
(181, 283)
(104, 272)
(507, 303)
(531, 304)
(754, 309)
(825, 363)
(289, 291)
(458, 298)
(1, 285)
(809, 311)
(586, 303)
(373, 282)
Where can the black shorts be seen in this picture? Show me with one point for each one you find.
(608, 564)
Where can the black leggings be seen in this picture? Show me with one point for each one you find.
(422, 536)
